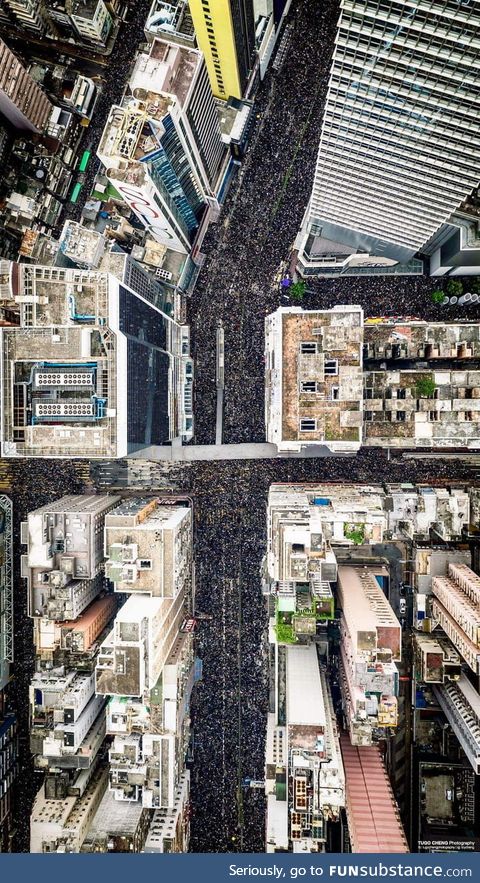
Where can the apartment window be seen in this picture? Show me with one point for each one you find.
(401, 416)
(308, 347)
(401, 393)
(331, 366)
(433, 416)
(468, 415)
(334, 393)
(368, 415)
(308, 386)
(368, 393)
(307, 424)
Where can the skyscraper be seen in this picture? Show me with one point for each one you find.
(8, 720)
(162, 147)
(94, 368)
(398, 150)
(225, 32)
(22, 101)
(78, 21)
(29, 15)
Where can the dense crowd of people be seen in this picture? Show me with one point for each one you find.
(254, 238)
(231, 702)
(255, 234)
(114, 78)
(229, 705)
(239, 285)
(33, 484)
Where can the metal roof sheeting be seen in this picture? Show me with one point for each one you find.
(373, 816)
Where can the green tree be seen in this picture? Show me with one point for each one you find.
(355, 533)
(437, 296)
(297, 290)
(285, 633)
(424, 387)
(455, 288)
(474, 285)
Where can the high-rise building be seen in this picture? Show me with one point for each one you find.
(309, 524)
(22, 101)
(72, 611)
(332, 380)
(88, 22)
(162, 148)
(313, 368)
(6, 590)
(63, 565)
(304, 779)
(172, 21)
(91, 20)
(94, 368)
(399, 144)
(455, 606)
(29, 15)
(8, 721)
(225, 32)
(146, 668)
(370, 644)
(103, 669)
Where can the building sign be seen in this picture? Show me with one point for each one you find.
(150, 214)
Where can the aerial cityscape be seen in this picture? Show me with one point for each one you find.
(239, 426)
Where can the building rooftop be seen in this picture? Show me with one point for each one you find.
(140, 546)
(369, 617)
(168, 69)
(115, 818)
(401, 411)
(158, 80)
(460, 703)
(132, 656)
(277, 823)
(305, 705)
(86, 343)
(59, 371)
(171, 20)
(51, 812)
(314, 377)
(374, 826)
(81, 245)
(84, 8)
(401, 339)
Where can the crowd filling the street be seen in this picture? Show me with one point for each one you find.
(247, 252)
(229, 704)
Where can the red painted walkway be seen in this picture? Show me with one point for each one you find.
(373, 817)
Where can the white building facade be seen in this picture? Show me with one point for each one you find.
(396, 154)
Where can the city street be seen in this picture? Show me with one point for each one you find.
(230, 703)
(237, 285)
(114, 74)
(255, 235)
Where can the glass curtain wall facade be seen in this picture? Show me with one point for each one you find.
(171, 171)
(399, 148)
